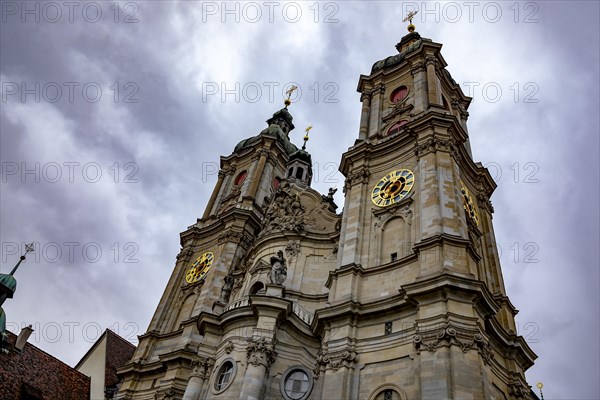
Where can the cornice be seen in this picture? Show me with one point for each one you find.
(354, 308)
(461, 284)
(515, 343)
(357, 269)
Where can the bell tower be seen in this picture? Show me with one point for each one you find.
(275, 295)
(211, 255)
(418, 295)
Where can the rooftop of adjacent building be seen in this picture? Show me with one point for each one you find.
(35, 373)
(118, 352)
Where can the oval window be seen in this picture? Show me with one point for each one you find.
(240, 178)
(224, 376)
(399, 94)
(276, 182)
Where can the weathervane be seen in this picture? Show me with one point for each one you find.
(409, 18)
(308, 128)
(289, 92)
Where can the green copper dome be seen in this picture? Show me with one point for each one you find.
(279, 126)
(302, 155)
(8, 281)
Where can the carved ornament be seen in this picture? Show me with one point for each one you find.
(285, 213)
(261, 352)
(465, 339)
(359, 175)
(202, 366)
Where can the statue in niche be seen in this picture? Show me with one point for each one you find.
(278, 269)
(226, 289)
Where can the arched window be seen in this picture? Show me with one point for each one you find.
(299, 172)
(445, 103)
(393, 240)
(388, 394)
(290, 172)
(399, 94)
(240, 178)
(185, 312)
(257, 287)
(276, 182)
(397, 127)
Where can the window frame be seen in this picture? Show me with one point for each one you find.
(289, 372)
(219, 371)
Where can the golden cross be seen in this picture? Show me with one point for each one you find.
(410, 16)
(308, 128)
(291, 90)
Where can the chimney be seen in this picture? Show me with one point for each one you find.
(22, 338)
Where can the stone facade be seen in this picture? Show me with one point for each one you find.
(405, 301)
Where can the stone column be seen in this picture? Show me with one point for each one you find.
(380, 110)
(352, 227)
(213, 196)
(339, 368)
(420, 86)
(258, 172)
(364, 116)
(201, 371)
(261, 355)
(433, 85)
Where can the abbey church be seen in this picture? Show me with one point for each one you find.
(278, 293)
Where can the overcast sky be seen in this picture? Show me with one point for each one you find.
(113, 120)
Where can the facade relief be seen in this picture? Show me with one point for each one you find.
(285, 213)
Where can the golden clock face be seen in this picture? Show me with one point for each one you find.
(199, 268)
(468, 204)
(393, 187)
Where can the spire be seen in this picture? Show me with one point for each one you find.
(8, 284)
(299, 166)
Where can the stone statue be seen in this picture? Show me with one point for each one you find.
(329, 196)
(226, 289)
(278, 269)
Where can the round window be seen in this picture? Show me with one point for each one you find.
(296, 384)
(224, 376)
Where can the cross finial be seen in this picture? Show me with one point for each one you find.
(289, 92)
(307, 130)
(540, 385)
(409, 18)
(29, 248)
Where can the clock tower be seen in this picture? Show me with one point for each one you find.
(419, 273)
(400, 296)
